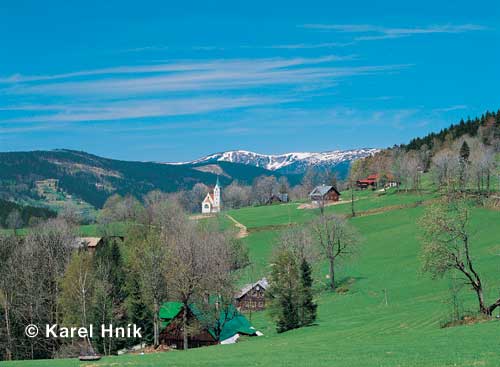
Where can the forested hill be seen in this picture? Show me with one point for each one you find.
(24, 214)
(93, 179)
(468, 127)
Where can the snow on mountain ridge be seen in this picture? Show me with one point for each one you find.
(275, 162)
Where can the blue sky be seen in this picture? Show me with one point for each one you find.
(170, 81)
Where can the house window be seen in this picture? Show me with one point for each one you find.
(206, 206)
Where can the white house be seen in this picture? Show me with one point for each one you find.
(212, 202)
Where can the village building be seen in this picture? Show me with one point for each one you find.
(252, 297)
(370, 181)
(390, 181)
(374, 180)
(231, 323)
(278, 198)
(324, 194)
(212, 202)
(92, 243)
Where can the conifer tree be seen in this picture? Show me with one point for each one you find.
(308, 307)
(284, 291)
(465, 151)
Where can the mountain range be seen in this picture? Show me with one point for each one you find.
(286, 163)
(93, 179)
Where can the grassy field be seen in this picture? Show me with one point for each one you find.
(391, 315)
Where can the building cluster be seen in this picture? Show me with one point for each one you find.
(375, 181)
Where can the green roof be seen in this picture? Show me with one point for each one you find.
(234, 322)
(170, 310)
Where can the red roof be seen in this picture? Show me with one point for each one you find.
(373, 176)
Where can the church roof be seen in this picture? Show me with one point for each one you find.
(210, 197)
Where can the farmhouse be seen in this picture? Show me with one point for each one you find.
(212, 202)
(323, 194)
(252, 296)
(226, 330)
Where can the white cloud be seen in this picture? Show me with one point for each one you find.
(451, 108)
(369, 32)
(174, 88)
(176, 67)
(124, 110)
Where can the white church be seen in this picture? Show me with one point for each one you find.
(212, 202)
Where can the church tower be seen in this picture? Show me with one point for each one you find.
(217, 201)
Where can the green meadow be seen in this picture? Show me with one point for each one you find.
(391, 314)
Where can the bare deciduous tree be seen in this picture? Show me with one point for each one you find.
(236, 196)
(263, 188)
(336, 240)
(9, 252)
(446, 246)
(445, 167)
(151, 254)
(200, 264)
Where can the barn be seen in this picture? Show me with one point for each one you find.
(370, 181)
(171, 334)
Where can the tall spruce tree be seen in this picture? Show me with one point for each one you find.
(465, 152)
(284, 293)
(308, 307)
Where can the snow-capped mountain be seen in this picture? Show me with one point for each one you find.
(296, 162)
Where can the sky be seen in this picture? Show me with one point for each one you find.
(175, 80)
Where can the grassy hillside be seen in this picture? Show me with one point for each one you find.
(391, 315)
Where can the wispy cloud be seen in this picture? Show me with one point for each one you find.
(180, 66)
(367, 32)
(302, 46)
(173, 88)
(124, 110)
(214, 76)
(451, 108)
(146, 48)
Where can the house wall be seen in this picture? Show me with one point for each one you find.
(332, 196)
(253, 300)
(172, 335)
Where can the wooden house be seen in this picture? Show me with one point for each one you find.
(252, 296)
(233, 325)
(324, 194)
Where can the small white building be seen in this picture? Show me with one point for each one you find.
(212, 202)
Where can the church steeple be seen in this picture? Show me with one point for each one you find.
(217, 198)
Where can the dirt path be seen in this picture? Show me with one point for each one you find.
(201, 216)
(243, 232)
(313, 206)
